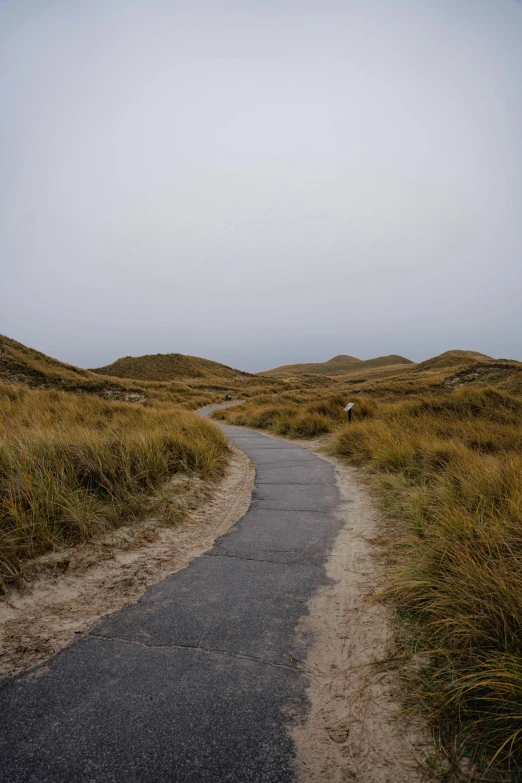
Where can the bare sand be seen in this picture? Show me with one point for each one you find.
(67, 591)
(355, 730)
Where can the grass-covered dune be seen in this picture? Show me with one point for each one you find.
(441, 441)
(447, 465)
(160, 380)
(73, 465)
(167, 367)
(338, 365)
(450, 468)
(21, 365)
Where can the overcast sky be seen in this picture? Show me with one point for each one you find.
(261, 182)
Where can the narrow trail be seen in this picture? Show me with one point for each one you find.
(204, 678)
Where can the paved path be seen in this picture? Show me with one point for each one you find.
(197, 681)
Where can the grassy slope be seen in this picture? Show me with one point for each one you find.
(72, 465)
(448, 466)
(452, 359)
(76, 457)
(339, 365)
(441, 439)
(167, 367)
(443, 445)
(22, 365)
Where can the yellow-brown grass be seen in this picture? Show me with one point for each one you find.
(198, 382)
(167, 367)
(448, 467)
(339, 365)
(297, 414)
(72, 465)
(444, 448)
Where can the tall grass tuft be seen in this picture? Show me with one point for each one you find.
(448, 466)
(451, 469)
(292, 417)
(72, 465)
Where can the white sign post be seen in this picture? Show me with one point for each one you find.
(348, 409)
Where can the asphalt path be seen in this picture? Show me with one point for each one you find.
(201, 679)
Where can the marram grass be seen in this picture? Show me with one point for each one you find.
(448, 467)
(73, 465)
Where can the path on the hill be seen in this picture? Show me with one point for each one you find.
(208, 676)
(200, 679)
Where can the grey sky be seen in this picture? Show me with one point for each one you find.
(261, 182)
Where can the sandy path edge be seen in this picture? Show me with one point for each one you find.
(78, 586)
(355, 730)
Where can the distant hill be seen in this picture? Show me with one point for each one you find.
(452, 359)
(338, 365)
(168, 367)
(453, 369)
(342, 357)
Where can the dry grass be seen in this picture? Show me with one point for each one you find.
(73, 465)
(168, 367)
(80, 452)
(448, 466)
(297, 414)
(339, 365)
(443, 441)
(22, 365)
(207, 383)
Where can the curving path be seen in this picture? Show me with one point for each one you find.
(199, 681)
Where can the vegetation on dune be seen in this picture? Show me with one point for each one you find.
(450, 468)
(338, 365)
(452, 358)
(167, 367)
(442, 441)
(22, 365)
(81, 452)
(73, 465)
(447, 464)
(287, 415)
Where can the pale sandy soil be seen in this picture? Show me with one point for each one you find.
(355, 730)
(67, 591)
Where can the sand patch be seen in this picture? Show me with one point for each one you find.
(355, 730)
(68, 590)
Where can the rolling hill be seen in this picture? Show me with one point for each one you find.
(22, 365)
(193, 382)
(339, 365)
(452, 358)
(198, 382)
(167, 367)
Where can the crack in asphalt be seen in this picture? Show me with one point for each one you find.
(295, 484)
(261, 559)
(276, 464)
(195, 647)
(256, 504)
